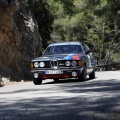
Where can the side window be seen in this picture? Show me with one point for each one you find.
(47, 51)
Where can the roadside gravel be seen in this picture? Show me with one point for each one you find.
(7, 81)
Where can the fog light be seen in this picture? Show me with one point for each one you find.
(36, 75)
(74, 74)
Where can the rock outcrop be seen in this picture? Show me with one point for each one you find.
(20, 40)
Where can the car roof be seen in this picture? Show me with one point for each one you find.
(66, 43)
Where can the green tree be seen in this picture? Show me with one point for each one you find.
(44, 19)
(92, 21)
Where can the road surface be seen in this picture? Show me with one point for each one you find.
(97, 99)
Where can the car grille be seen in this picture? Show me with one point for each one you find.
(54, 63)
(47, 64)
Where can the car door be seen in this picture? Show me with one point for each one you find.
(89, 57)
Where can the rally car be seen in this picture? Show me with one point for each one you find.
(63, 60)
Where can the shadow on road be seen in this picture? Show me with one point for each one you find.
(66, 81)
(71, 100)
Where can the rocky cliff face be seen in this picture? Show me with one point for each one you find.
(19, 39)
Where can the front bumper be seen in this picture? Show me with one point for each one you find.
(66, 73)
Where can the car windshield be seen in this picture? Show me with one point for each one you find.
(63, 49)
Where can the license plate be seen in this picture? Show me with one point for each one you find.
(53, 71)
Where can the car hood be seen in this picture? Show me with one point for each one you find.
(59, 57)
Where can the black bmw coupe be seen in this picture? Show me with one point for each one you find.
(64, 60)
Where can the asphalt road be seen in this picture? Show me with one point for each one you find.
(97, 99)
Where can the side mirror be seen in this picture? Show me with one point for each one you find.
(87, 52)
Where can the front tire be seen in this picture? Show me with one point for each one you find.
(82, 77)
(37, 81)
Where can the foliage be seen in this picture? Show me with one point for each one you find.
(91, 21)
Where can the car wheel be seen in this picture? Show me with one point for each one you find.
(56, 80)
(92, 75)
(82, 77)
(37, 81)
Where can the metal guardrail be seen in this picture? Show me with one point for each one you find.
(111, 66)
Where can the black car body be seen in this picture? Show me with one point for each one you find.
(63, 60)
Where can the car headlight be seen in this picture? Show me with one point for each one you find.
(67, 63)
(36, 64)
(73, 63)
(42, 64)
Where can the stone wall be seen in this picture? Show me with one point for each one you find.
(20, 40)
